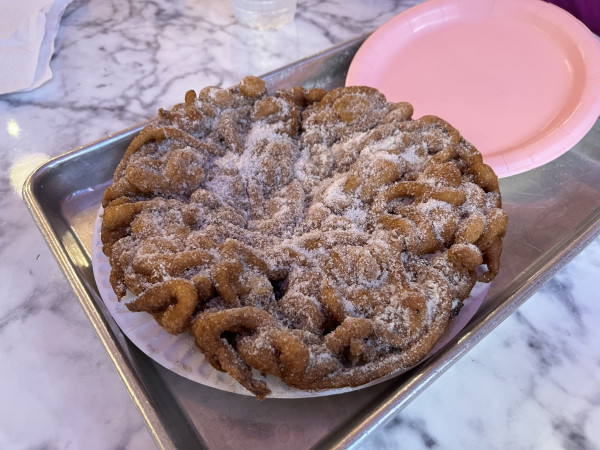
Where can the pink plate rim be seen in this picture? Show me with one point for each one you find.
(540, 148)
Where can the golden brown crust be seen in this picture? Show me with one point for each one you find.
(321, 237)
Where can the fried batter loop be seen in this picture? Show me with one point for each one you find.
(325, 238)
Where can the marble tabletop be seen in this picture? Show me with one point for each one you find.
(532, 383)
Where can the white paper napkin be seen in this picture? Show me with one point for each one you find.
(28, 29)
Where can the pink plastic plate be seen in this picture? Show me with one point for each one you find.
(520, 79)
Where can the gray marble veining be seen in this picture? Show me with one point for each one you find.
(533, 383)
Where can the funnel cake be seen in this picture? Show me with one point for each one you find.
(325, 238)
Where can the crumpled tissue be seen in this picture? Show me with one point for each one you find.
(28, 29)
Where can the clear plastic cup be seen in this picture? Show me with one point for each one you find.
(264, 14)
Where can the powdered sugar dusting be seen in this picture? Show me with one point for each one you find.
(356, 229)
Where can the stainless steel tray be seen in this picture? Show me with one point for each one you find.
(554, 212)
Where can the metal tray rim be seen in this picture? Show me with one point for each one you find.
(137, 394)
(356, 430)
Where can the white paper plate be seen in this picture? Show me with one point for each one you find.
(179, 353)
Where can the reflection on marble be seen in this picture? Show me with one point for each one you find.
(532, 383)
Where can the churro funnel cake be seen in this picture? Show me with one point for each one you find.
(325, 238)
